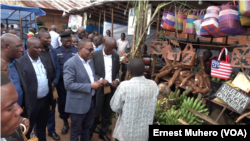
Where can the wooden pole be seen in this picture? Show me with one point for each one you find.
(99, 25)
(153, 67)
(21, 27)
(158, 23)
(112, 20)
(35, 20)
(225, 107)
(104, 15)
(82, 18)
(7, 24)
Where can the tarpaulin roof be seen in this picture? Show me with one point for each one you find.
(11, 13)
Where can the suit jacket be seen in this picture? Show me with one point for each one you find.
(31, 80)
(78, 86)
(26, 102)
(100, 67)
(55, 63)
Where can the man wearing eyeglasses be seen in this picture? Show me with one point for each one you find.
(36, 73)
(81, 85)
(64, 52)
(12, 49)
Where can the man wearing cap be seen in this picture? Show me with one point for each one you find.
(64, 52)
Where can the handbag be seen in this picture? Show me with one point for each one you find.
(244, 8)
(164, 16)
(245, 60)
(180, 17)
(190, 29)
(170, 21)
(197, 25)
(221, 69)
(188, 55)
(210, 22)
(229, 20)
(155, 47)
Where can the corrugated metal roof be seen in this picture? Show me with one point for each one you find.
(96, 3)
(62, 5)
(12, 2)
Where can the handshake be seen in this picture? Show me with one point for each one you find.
(103, 82)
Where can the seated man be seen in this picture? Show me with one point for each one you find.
(138, 94)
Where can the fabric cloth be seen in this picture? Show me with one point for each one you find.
(42, 81)
(100, 48)
(30, 34)
(55, 39)
(46, 55)
(135, 101)
(108, 66)
(15, 79)
(89, 71)
(122, 45)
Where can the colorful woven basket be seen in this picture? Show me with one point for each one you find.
(190, 29)
(229, 20)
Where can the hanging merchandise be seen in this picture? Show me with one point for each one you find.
(210, 22)
(188, 55)
(221, 69)
(171, 53)
(245, 18)
(180, 17)
(229, 20)
(245, 21)
(197, 25)
(170, 21)
(203, 32)
(190, 29)
(245, 60)
(164, 16)
(244, 8)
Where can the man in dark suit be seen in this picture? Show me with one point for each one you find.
(12, 49)
(36, 74)
(107, 67)
(81, 85)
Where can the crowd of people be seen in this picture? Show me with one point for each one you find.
(79, 73)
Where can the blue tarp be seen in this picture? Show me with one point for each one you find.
(11, 13)
(90, 28)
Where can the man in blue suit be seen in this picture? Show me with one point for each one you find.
(81, 85)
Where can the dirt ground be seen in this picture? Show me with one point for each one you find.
(59, 125)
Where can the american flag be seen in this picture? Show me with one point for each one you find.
(221, 69)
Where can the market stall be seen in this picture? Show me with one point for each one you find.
(188, 80)
(25, 17)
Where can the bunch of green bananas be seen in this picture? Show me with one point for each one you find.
(173, 116)
(196, 105)
(174, 95)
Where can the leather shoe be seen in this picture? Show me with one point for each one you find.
(54, 136)
(104, 137)
(65, 130)
(97, 130)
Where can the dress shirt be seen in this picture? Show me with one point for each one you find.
(41, 76)
(54, 39)
(135, 100)
(3, 139)
(94, 46)
(90, 73)
(15, 79)
(122, 45)
(108, 66)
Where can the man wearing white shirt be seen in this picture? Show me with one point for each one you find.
(55, 37)
(107, 67)
(123, 44)
(36, 74)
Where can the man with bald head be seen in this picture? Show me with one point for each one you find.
(102, 42)
(107, 69)
(55, 38)
(91, 37)
(36, 73)
(80, 33)
(12, 49)
(12, 31)
(139, 94)
(96, 41)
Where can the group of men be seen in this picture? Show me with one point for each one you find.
(79, 72)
